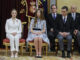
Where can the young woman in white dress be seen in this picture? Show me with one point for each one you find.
(38, 32)
(13, 33)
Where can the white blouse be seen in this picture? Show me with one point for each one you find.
(13, 26)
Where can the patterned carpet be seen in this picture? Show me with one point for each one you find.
(33, 58)
(51, 56)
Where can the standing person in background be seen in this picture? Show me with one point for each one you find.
(13, 33)
(51, 26)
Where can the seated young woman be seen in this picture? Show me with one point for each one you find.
(38, 32)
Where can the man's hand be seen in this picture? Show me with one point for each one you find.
(65, 34)
(51, 29)
(61, 33)
(75, 32)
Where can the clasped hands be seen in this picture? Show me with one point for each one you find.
(64, 34)
(75, 32)
(37, 33)
(14, 33)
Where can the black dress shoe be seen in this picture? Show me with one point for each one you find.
(79, 50)
(36, 56)
(68, 54)
(39, 56)
(63, 54)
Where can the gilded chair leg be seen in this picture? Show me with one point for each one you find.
(43, 50)
(46, 50)
(56, 48)
(21, 50)
(72, 48)
(30, 50)
(6, 50)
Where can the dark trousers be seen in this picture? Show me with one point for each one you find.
(51, 36)
(78, 38)
(61, 43)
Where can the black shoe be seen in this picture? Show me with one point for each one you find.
(68, 54)
(36, 56)
(79, 50)
(51, 49)
(63, 54)
(39, 56)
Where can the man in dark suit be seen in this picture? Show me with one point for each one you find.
(65, 29)
(51, 26)
(76, 19)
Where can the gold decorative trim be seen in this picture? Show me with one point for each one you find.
(26, 8)
(56, 2)
(39, 2)
(48, 6)
(22, 11)
(23, 2)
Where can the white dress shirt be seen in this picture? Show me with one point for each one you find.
(74, 15)
(54, 14)
(13, 26)
(64, 17)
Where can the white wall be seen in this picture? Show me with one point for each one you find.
(52, 2)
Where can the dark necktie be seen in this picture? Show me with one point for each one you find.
(54, 16)
(64, 20)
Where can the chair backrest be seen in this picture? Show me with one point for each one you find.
(29, 20)
(23, 23)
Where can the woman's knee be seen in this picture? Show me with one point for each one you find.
(36, 39)
(40, 39)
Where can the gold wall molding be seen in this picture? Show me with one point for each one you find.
(68, 3)
(48, 6)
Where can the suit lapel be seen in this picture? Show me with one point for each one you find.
(66, 20)
(62, 20)
(52, 17)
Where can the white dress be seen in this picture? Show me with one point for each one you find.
(11, 27)
(39, 24)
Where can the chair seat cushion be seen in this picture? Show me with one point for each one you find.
(56, 40)
(8, 41)
(33, 41)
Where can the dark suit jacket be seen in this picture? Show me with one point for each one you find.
(51, 22)
(65, 27)
(76, 21)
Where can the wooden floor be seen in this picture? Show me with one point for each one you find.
(51, 56)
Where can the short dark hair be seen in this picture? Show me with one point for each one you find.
(53, 5)
(65, 7)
